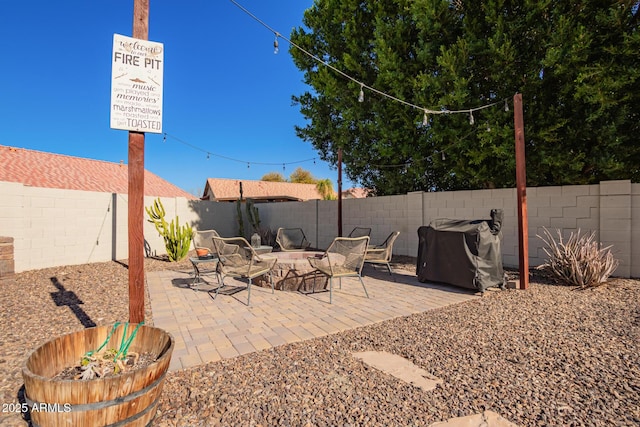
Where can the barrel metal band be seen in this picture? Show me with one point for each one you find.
(126, 421)
(107, 403)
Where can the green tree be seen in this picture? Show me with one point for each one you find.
(273, 177)
(577, 65)
(302, 176)
(325, 188)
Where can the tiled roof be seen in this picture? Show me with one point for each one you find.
(48, 170)
(355, 193)
(229, 189)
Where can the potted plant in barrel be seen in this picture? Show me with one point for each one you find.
(98, 376)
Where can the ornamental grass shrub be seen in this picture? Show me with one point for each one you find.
(579, 261)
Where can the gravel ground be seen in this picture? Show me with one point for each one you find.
(549, 356)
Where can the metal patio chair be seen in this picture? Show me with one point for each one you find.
(359, 232)
(381, 254)
(237, 259)
(202, 239)
(343, 258)
(292, 239)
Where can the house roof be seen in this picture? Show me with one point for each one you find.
(355, 193)
(48, 170)
(222, 189)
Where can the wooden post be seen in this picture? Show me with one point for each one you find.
(521, 186)
(340, 192)
(136, 189)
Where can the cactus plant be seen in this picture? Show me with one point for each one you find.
(177, 239)
(253, 215)
(267, 236)
(239, 217)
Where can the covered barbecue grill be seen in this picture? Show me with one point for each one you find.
(464, 253)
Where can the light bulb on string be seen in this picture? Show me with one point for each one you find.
(207, 156)
(248, 165)
(488, 127)
(276, 48)
(283, 167)
(471, 119)
(164, 138)
(443, 156)
(506, 105)
(361, 94)
(425, 119)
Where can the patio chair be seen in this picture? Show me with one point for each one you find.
(237, 259)
(343, 258)
(203, 244)
(359, 232)
(292, 239)
(202, 239)
(381, 254)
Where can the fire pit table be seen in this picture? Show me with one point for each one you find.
(293, 272)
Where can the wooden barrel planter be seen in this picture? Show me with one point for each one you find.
(128, 399)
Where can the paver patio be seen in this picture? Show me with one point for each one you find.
(207, 330)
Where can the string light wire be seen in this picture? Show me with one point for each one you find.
(363, 85)
(247, 162)
(426, 111)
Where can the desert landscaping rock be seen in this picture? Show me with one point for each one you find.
(548, 356)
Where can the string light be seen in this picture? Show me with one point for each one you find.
(426, 111)
(248, 165)
(425, 119)
(276, 49)
(362, 85)
(488, 127)
(208, 153)
(164, 138)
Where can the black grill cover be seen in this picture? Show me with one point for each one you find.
(465, 253)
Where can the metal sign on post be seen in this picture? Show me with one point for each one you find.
(136, 84)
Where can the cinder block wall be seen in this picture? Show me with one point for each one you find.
(53, 227)
(305, 215)
(635, 230)
(476, 205)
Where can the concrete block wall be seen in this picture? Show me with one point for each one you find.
(567, 209)
(64, 227)
(327, 225)
(56, 227)
(615, 222)
(303, 215)
(635, 230)
(383, 215)
(477, 204)
(206, 215)
(319, 218)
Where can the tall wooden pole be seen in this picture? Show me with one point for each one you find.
(136, 189)
(340, 192)
(521, 186)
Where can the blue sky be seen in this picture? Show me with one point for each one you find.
(225, 91)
